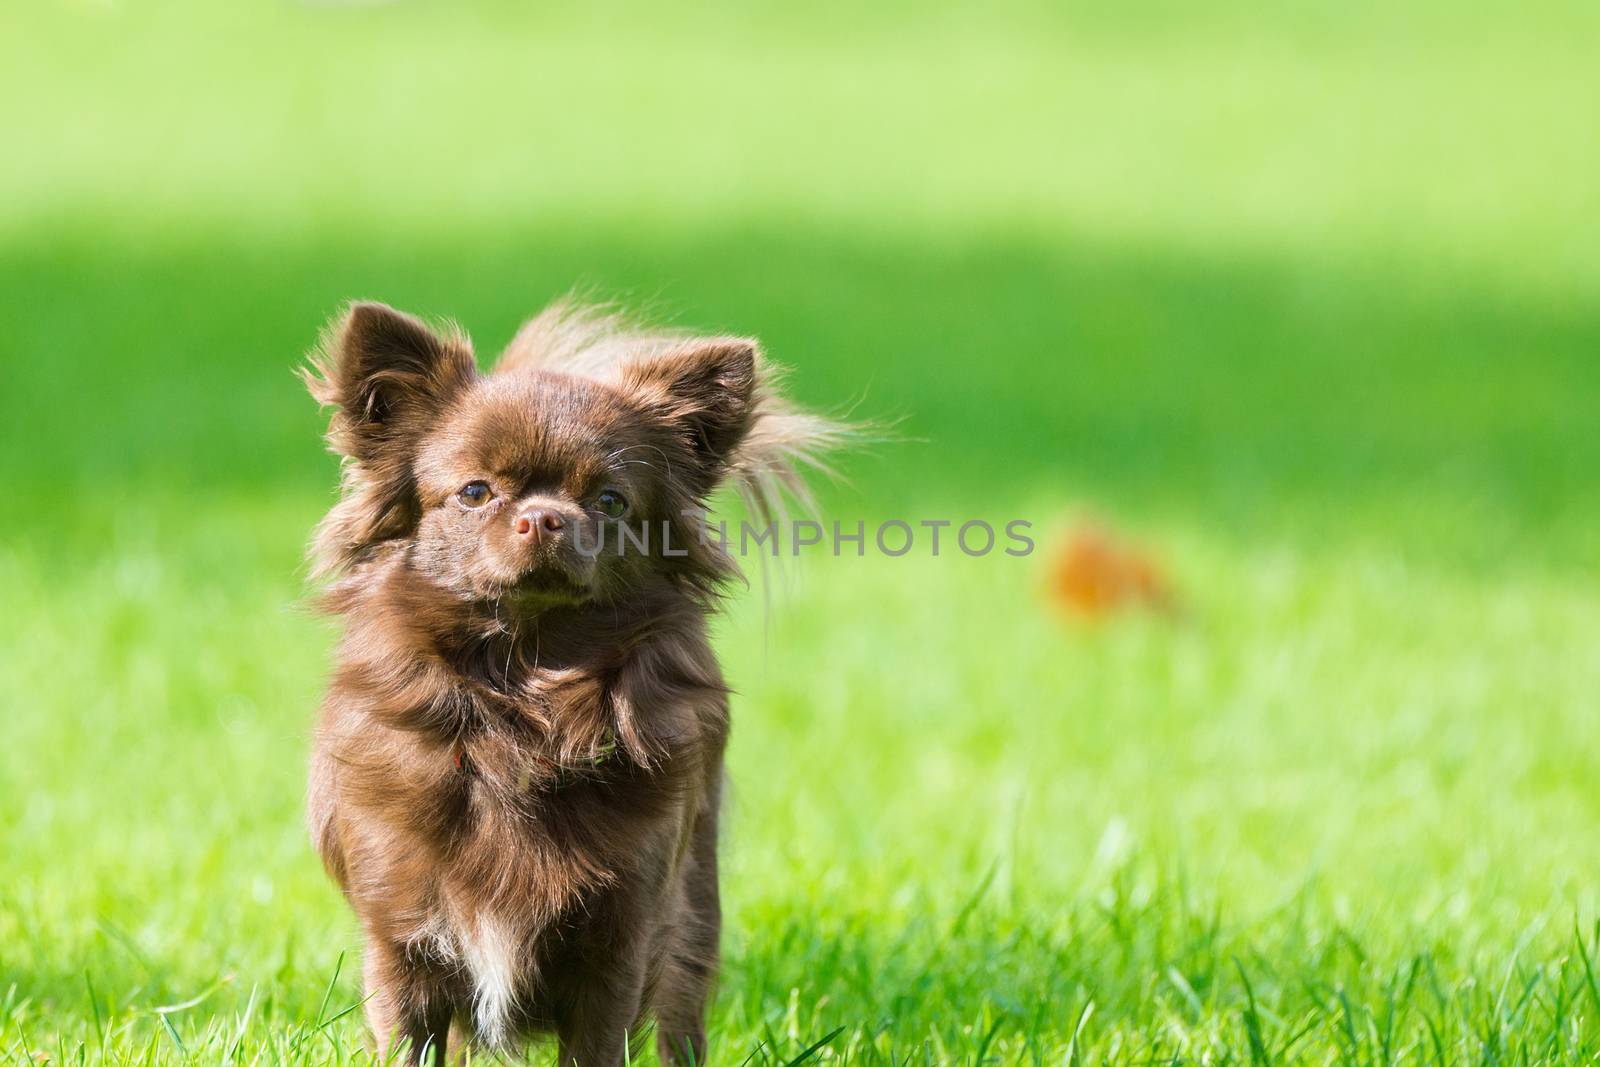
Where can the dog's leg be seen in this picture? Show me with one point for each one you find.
(687, 979)
(602, 1013)
(604, 994)
(405, 1007)
(689, 971)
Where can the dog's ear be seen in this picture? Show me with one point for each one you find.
(706, 391)
(388, 377)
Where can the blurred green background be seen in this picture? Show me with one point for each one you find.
(1301, 298)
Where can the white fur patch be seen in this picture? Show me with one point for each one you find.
(490, 952)
(435, 938)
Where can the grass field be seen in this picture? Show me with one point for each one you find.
(1305, 300)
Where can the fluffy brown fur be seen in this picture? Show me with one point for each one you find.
(517, 768)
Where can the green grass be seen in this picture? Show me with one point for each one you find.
(1304, 299)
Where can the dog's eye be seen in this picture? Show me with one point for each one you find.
(611, 504)
(475, 494)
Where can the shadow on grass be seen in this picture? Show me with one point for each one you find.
(1227, 389)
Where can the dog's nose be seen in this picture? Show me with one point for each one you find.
(538, 525)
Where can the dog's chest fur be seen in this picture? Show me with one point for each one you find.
(487, 848)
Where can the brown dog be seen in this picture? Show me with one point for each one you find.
(516, 773)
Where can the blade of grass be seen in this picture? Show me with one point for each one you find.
(94, 1006)
(812, 1049)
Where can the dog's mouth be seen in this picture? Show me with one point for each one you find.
(546, 585)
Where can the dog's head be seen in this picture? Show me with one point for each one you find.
(575, 472)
